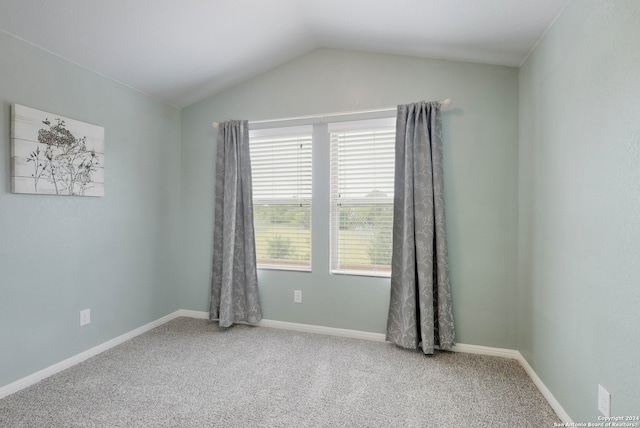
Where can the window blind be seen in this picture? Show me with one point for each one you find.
(362, 180)
(281, 180)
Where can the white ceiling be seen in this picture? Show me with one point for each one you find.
(182, 51)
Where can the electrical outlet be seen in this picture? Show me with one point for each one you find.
(297, 296)
(85, 317)
(604, 401)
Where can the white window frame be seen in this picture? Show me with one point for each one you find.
(342, 178)
(300, 187)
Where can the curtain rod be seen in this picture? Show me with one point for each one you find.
(446, 102)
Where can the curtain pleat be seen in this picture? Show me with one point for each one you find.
(234, 279)
(420, 309)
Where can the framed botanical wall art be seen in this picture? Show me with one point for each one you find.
(55, 155)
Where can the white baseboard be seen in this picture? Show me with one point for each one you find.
(78, 358)
(306, 328)
(485, 350)
(330, 331)
(284, 325)
(192, 314)
(555, 405)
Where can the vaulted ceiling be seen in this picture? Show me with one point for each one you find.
(182, 51)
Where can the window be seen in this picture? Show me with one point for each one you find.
(281, 180)
(362, 174)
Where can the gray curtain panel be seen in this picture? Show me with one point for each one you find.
(420, 310)
(234, 281)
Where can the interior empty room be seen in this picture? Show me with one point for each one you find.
(540, 141)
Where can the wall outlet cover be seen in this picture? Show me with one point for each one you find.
(604, 401)
(85, 317)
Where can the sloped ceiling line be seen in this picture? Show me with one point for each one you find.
(184, 51)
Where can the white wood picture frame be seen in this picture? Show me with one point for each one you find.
(55, 155)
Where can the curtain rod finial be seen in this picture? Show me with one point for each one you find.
(446, 102)
(214, 125)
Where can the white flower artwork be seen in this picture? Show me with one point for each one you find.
(55, 155)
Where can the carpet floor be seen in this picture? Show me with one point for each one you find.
(190, 373)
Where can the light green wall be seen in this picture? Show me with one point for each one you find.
(118, 254)
(480, 147)
(579, 203)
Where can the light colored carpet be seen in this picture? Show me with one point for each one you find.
(189, 373)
